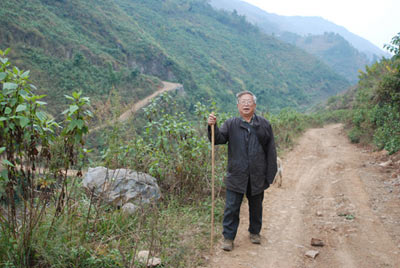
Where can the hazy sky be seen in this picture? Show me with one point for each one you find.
(375, 20)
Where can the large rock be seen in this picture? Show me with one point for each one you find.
(121, 186)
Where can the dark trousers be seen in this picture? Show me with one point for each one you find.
(232, 209)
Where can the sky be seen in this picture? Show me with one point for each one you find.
(377, 21)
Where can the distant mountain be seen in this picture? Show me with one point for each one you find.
(128, 46)
(334, 50)
(280, 26)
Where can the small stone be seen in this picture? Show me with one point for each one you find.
(316, 242)
(334, 228)
(319, 213)
(129, 208)
(312, 253)
(143, 255)
(385, 164)
(154, 262)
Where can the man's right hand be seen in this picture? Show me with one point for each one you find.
(212, 119)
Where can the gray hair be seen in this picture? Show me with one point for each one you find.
(238, 95)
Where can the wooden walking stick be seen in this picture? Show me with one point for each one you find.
(212, 187)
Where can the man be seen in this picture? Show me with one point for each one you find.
(251, 165)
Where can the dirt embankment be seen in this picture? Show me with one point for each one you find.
(334, 191)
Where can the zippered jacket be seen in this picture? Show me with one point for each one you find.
(251, 153)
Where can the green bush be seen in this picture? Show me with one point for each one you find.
(30, 180)
(354, 135)
(374, 113)
(288, 124)
(387, 133)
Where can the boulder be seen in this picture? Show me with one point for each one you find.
(121, 186)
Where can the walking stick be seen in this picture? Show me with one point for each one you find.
(212, 187)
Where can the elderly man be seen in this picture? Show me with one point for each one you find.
(251, 165)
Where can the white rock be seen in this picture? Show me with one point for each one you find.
(143, 255)
(154, 262)
(385, 164)
(129, 208)
(312, 253)
(121, 186)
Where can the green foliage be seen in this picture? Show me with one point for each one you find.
(376, 116)
(56, 224)
(288, 125)
(29, 178)
(394, 45)
(171, 147)
(334, 116)
(374, 105)
(334, 50)
(72, 228)
(100, 45)
(387, 132)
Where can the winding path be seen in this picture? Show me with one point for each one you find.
(167, 86)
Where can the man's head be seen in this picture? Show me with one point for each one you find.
(246, 103)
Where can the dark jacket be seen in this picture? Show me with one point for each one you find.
(251, 153)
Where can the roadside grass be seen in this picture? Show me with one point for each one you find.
(91, 234)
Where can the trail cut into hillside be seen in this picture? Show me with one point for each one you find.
(344, 195)
(167, 86)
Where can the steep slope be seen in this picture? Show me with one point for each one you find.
(334, 50)
(346, 55)
(130, 45)
(273, 23)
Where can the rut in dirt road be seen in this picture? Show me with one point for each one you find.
(328, 190)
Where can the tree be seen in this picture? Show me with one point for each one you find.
(394, 47)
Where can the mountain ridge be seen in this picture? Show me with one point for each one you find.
(130, 46)
(302, 25)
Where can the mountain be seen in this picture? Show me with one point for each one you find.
(127, 46)
(334, 50)
(282, 26)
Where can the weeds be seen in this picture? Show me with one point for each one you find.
(48, 220)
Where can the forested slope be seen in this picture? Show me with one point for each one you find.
(132, 45)
(372, 108)
(334, 50)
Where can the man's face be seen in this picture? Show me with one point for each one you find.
(246, 105)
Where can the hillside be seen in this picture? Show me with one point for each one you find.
(130, 46)
(273, 23)
(334, 50)
(312, 30)
(372, 108)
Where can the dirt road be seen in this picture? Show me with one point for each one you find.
(334, 191)
(167, 86)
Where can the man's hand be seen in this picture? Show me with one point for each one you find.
(212, 119)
